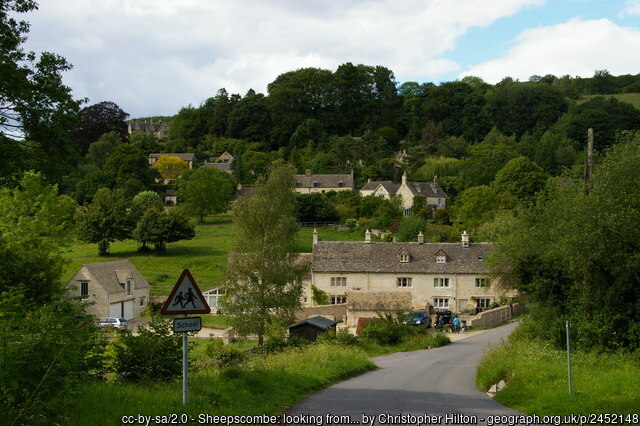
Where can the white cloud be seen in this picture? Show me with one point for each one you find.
(153, 56)
(577, 48)
(632, 7)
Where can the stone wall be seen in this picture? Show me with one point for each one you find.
(334, 312)
(496, 316)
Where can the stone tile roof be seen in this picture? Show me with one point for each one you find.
(324, 181)
(389, 186)
(427, 189)
(225, 167)
(187, 156)
(381, 257)
(110, 274)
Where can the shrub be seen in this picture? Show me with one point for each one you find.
(228, 356)
(45, 353)
(154, 355)
(390, 331)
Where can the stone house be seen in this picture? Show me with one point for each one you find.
(159, 130)
(376, 276)
(116, 288)
(186, 156)
(433, 193)
(311, 183)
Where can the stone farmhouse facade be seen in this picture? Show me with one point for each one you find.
(434, 194)
(116, 288)
(159, 130)
(387, 276)
(309, 183)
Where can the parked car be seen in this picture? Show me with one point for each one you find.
(420, 318)
(112, 322)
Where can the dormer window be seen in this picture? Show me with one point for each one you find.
(316, 184)
(441, 257)
(298, 184)
(404, 256)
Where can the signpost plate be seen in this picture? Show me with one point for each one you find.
(183, 325)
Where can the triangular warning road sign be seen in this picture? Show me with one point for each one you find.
(185, 298)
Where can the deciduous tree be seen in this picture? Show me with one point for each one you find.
(105, 220)
(263, 282)
(205, 190)
(170, 167)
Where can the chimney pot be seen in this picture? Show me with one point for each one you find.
(465, 239)
(367, 237)
(315, 236)
(420, 238)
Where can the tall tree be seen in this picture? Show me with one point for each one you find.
(96, 120)
(159, 227)
(105, 220)
(205, 190)
(34, 224)
(36, 108)
(263, 282)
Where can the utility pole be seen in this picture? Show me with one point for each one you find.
(587, 175)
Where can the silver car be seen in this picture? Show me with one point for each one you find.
(112, 322)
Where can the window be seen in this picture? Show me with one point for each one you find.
(336, 300)
(340, 184)
(441, 258)
(405, 282)
(316, 184)
(141, 301)
(338, 281)
(483, 303)
(298, 184)
(441, 303)
(84, 289)
(441, 282)
(128, 287)
(404, 257)
(481, 282)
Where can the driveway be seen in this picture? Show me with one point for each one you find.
(437, 382)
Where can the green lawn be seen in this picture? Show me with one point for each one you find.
(631, 98)
(205, 256)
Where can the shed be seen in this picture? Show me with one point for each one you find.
(311, 328)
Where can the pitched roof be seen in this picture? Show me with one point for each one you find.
(389, 186)
(427, 189)
(186, 156)
(324, 181)
(357, 256)
(318, 322)
(110, 274)
(225, 167)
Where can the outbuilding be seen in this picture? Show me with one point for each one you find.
(311, 328)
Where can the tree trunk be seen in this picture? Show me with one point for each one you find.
(103, 248)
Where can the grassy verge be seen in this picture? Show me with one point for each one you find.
(536, 376)
(261, 386)
(411, 343)
(215, 321)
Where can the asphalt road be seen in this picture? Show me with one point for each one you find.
(437, 384)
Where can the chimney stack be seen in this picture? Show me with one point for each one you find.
(367, 237)
(315, 236)
(404, 178)
(308, 172)
(420, 238)
(465, 239)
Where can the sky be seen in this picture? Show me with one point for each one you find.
(153, 57)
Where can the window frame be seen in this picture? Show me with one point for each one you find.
(441, 302)
(482, 282)
(338, 281)
(441, 282)
(84, 288)
(337, 299)
(404, 282)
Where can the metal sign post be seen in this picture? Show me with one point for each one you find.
(185, 298)
(568, 356)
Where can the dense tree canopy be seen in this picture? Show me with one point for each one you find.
(96, 120)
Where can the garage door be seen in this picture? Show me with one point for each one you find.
(121, 309)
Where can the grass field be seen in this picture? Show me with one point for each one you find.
(263, 386)
(205, 256)
(631, 98)
(537, 383)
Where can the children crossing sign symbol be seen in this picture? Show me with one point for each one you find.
(185, 298)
